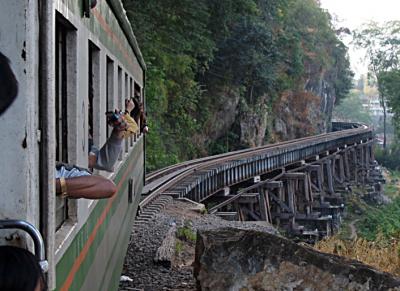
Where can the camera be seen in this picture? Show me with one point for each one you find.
(114, 118)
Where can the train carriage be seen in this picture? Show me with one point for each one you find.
(74, 60)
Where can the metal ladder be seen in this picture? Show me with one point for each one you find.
(34, 234)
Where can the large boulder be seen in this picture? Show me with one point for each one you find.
(235, 259)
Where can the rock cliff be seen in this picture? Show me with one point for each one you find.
(294, 114)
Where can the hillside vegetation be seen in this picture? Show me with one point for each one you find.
(377, 240)
(229, 74)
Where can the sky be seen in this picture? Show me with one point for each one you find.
(353, 13)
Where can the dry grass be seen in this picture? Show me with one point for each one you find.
(381, 254)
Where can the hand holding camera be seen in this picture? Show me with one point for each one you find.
(116, 119)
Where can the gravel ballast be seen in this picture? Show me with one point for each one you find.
(147, 238)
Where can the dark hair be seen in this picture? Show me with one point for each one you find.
(8, 84)
(19, 270)
(135, 113)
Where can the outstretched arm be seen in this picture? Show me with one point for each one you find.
(89, 187)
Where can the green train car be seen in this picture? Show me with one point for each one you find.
(74, 60)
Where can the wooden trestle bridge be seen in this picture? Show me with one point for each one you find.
(299, 185)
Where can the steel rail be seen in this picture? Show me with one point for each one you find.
(169, 169)
(185, 169)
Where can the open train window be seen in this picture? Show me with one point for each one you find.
(61, 95)
(131, 95)
(138, 95)
(94, 94)
(109, 89)
(65, 57)
(120, 104)
(127, 95)
(137, 92)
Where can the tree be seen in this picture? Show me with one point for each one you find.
(201, 54)
(382, 46)
(390, 85)
(351, 109)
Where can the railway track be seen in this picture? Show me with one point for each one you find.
(158, 174)
(161, 180)
(263, 183)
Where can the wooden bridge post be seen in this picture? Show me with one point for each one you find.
(338, 169)
(317, 170)
(329, 176)
(354, 164)
(291, 202)
(372, 153)
(346, 166)
(275, 192)
(265, 210)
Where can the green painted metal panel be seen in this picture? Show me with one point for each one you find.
(66, 262)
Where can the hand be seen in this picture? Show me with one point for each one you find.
(129, 105)
(146, 129)
(116, 120)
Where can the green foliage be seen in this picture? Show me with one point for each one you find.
(255, 47)
(350, 109)
(178, 247)
(390, 87)
(389, 158)
(317, 45)
(186, 233)
(383, 220)
(382, 45)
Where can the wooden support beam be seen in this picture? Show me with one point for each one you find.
(291, 201)
(273, 185)
(264, 206)
(347, 166)
(293, 176)
(250, 213)
(279, 202)
(318, 169)
(329, 176)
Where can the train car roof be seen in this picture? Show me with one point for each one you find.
(120, 14)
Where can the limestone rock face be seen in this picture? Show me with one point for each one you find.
(225, 113)
(253, 120)
(233, 259)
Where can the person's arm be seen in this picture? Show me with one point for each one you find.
(107, 156)
(89, 187)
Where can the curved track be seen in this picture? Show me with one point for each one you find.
(343, 134)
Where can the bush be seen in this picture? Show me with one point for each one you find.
(186, 233)
(178, 247)
(384, 220)
(389, 158)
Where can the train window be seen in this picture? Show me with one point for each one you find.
(110, 89)
(131, 95)
(65, 58)
(94, 94)
(137, 92)
(138, 96)
(61, 98)
(120, 87)
(130, 87)
(123, 101)
(120, 98)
